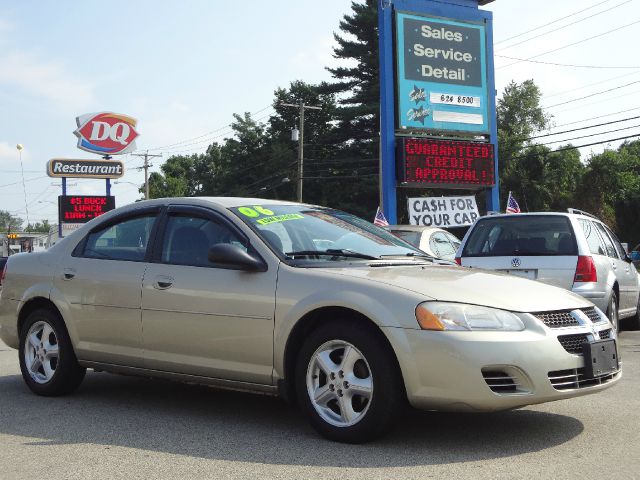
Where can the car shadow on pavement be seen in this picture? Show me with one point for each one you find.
(174, 418)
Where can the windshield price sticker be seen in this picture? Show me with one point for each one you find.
(448, 99)
(255, 211)
(280, 218)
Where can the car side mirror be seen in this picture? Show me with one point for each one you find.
(235, 258)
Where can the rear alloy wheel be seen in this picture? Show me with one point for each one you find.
(347, 384)
(612, 311)
(47, 360)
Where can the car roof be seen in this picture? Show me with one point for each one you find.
(220, 202)
(527, 214)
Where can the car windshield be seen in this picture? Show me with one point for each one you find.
(540, 235)
(305, 233)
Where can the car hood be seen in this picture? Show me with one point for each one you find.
(473, 286)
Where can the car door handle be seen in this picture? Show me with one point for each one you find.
(163, 282)
(68, 273)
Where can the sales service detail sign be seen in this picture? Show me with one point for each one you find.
(442, 74)
(443, 211)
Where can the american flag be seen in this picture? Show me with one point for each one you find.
(379, 219)
(512, 205)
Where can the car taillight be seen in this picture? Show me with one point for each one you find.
(585, 270)
(459, 261)
(4, 274)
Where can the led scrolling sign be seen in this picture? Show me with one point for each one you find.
(427, 162)
(82, 208)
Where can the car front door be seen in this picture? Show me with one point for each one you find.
(200, 318)
(102, 282)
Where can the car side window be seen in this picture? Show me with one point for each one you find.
(616, 243)
(125, 240)
(596, 247)
(611, 250)
(187, 240)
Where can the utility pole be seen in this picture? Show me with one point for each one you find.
(146, 167)
(302, 107)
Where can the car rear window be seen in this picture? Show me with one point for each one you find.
(536, 235)
(408, 236)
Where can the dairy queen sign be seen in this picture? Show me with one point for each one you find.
(106, 133)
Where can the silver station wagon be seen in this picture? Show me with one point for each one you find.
(572, 250)
(316, 305)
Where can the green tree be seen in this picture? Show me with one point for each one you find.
(39, 227)
(9, 222)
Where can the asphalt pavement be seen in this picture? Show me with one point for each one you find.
(117, 427)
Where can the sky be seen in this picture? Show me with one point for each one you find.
(183, 68)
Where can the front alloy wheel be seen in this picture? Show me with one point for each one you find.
(348, 381)
(339, 383)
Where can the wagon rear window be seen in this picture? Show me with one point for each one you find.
(521, 235)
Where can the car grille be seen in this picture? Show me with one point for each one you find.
(558, 319)
(592, 314)
(563, 318)
(604, 334)
(574, 378)
(573, 343)
(500, 382)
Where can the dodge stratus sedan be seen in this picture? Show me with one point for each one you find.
(310, 303)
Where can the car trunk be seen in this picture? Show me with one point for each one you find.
(552, 270)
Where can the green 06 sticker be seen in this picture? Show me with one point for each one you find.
(254, 212)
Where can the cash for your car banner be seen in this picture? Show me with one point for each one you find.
(443, 212)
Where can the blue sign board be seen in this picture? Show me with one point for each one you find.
(436, 77)
(441, 74)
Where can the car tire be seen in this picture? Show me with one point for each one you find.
(612, 311)
(348, 383)
(48, 363)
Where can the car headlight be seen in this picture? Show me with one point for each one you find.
(460, 316)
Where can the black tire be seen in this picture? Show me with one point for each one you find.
(387, 399)
(67, 374)
(612, 311)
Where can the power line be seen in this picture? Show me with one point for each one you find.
(565, 26)
(208, 140)
(593, 94)
(547, 96)
(595, 118)
(579, 146)
(627, 67)
(626, 95)
(574, 43)
(590, 135)
(552, 22)
(584, 128)
(208, 133)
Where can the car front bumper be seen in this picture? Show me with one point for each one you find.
(490, 371)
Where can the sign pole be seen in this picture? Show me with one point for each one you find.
(387, 112)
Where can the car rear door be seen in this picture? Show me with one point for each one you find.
(625, 273)
(537, 247)
(200, 318)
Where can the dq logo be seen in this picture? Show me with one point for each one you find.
(106, 133)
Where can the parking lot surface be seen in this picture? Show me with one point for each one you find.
(127, 427)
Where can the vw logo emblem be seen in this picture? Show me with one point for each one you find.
(515, 262)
